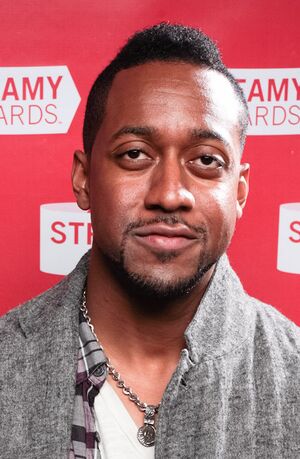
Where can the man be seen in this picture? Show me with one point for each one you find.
(214, 373)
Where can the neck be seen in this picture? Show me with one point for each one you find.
(149, 328)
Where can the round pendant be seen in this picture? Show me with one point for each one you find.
(146, 435)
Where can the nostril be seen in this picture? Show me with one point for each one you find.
(170, 200)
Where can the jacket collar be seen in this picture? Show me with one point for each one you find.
(60, 303)
(224, 316)
(50, 324)
(220, 324)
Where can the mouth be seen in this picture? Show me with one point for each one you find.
(166, 238)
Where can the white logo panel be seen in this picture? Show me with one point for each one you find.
(273, 97)
(288, 258)
(37, 100)
(65, 235)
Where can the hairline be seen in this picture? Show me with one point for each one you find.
(107, 88)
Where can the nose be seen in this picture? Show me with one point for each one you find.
(168, 188)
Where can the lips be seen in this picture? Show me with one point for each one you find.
(163, 237)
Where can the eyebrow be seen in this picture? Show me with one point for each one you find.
(207, 134)
(149, 131)
(143, 131)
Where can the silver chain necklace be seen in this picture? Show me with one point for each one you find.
(146, 433)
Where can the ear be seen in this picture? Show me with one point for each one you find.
(80, 179)
(243, 189)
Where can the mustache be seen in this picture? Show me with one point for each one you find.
(170, 220)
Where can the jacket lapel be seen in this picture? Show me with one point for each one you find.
(223, 318)
(50, 325)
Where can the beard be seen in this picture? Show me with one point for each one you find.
(151, 288)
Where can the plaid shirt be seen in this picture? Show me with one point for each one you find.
(91, 374)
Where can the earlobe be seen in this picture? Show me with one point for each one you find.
(80, 179)
(243, 189)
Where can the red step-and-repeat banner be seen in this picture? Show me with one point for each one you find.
(51, 53)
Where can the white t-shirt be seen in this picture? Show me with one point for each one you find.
(118, 431)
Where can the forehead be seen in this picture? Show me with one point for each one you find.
(173, 94)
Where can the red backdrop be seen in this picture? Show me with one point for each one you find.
(84, 36)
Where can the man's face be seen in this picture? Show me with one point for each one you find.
(165, 184)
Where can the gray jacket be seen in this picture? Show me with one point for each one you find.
(234, 394)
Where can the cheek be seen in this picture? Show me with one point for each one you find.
(114, 205)
(220, 209)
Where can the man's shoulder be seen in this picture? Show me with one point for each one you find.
(243, 318)
(42, 305)
(260, 320)
(39, 352)
(271, 319)
(273, 332)
(47, 308)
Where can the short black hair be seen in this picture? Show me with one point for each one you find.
(162, 42)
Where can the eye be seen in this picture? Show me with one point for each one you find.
(134, 159)
(208, 162)
(135, 154)
(208, 165)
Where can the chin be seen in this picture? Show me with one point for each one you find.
(159, 288)
(159, 283)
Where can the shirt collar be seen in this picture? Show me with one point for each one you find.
(91, 358)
